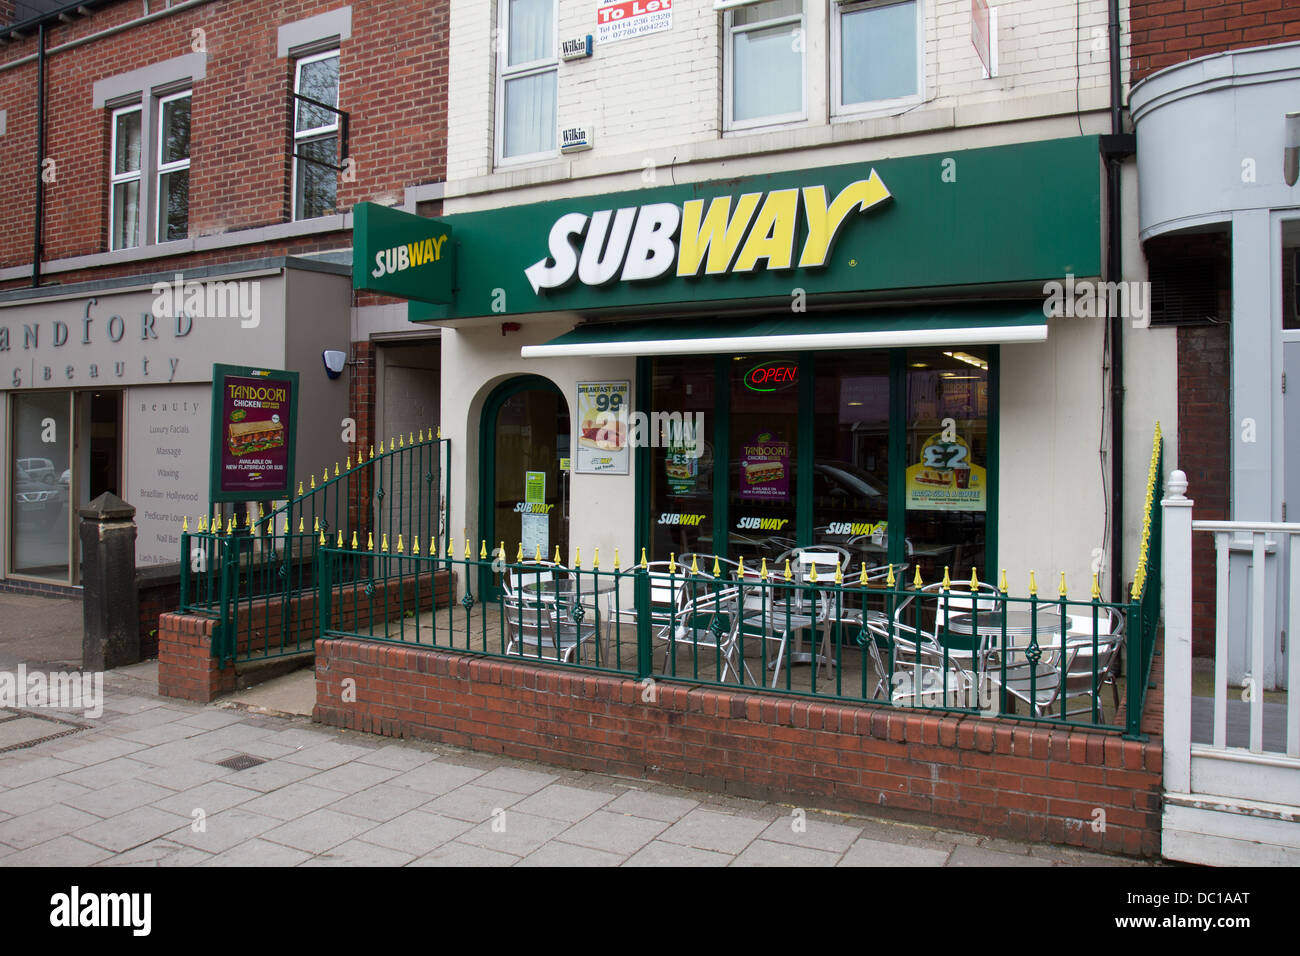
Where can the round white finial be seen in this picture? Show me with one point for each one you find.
(1177, 484)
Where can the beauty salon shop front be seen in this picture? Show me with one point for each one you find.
(855, 355)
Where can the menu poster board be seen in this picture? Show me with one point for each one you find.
(765, 469)
(686, 451)
(254, 429)
(946, 479)
(602, 428)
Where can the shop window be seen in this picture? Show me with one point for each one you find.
(174, 167)
(764, 64)
(124, 200)
(947, 457)
(41, 480)
(526, 81)
(876, 54)
(762, 488)
(316, 135)
(682, 456)
(1291, 288)
(850, 479)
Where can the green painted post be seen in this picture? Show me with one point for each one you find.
(644, 651)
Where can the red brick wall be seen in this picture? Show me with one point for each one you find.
(187, 669)
(1165, 32)
(1205, 455)
(995, 777)
(393, 81)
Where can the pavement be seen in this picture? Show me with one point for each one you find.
(159, 782)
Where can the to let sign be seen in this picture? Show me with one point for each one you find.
(625, 19)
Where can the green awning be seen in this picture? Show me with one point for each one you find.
(984, 324)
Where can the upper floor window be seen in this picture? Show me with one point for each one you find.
(316, 136)
(876, 54)
(526, 81)
(764, 82)
(173, 194)
(124, 201)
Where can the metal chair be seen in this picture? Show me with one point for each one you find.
(545, 626)
(707, 616)
(916, 676)
(517, 575)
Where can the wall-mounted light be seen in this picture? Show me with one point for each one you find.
(1291, 152)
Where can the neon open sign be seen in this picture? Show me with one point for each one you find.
(772, 376)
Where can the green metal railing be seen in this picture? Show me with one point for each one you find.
(258, 578)
(740, 628)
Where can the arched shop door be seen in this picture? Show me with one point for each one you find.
(524, 479)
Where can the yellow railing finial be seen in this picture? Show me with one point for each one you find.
(644, 562)
(616, 563)
(889, 581)
(1033, 584)
(695, 564)
(1064, 590)
(839, 572)
(672, 562)
(400, 549)
(577, 557)
(1096, 587)
(947, 582)
(1002, 585)
(974, 581)
(916, 579)
(595, 561)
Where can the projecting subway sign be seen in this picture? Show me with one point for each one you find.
(637, 243)
(626, 19)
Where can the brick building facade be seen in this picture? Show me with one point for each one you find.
(244, 211)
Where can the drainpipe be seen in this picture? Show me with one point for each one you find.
(1114, 148)
(40, 156)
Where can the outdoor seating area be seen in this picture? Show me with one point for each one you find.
(803, 627)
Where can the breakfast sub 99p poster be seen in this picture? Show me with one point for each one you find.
(602, 428)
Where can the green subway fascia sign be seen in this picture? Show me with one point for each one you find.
(402, 255)
(1000, 216)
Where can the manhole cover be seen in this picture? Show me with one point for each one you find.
(240, 762)
(20, 729)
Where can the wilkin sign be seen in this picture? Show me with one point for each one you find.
(723, 235)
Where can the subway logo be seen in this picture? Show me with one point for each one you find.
(718, 236)
(401, 258)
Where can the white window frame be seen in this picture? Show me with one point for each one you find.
(840, 110)
(506, 72)
(161, 169)
(115, 178)
(309, 134)
(729, 30)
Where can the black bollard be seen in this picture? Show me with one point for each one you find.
(110, 601)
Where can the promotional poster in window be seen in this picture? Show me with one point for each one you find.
(253, 433)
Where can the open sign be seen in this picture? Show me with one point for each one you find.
(772, 376)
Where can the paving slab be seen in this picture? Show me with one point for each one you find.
(456, 853)
(381, 803)
(258, 853)
(40, 826)
(770, 853)
(42, 793)
(398, 757)
(106, 774)
(813, 832)
(61, 851)
(130, 829)
(652, 806)
(659, 853)
(322, 756)
(867, 852)
(617, 833)
(353, 776)
(979, 856)
(162, 852)
(559, 853)
(514, 832)
(319, 830)
(472, 803)
(18, 731)
(292, 801)
(417, 831)
(17, 771)
(561, 802)
(211, 797)
(224, 830)
(436, 777)
(119, 798)
(709, 830)
(361, 853)
(517, 780)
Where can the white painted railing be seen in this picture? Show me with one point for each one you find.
(1261, 540)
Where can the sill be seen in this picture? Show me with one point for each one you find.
(877, 109)
(340, 222)
(777, 124)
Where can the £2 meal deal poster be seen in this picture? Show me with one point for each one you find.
(945, 479)
(602, 428)
(254, 425)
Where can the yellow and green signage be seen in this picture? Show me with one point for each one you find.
(402, 255)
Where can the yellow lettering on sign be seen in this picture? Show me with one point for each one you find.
(824, 221)
(718, 234)
(772, 237)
